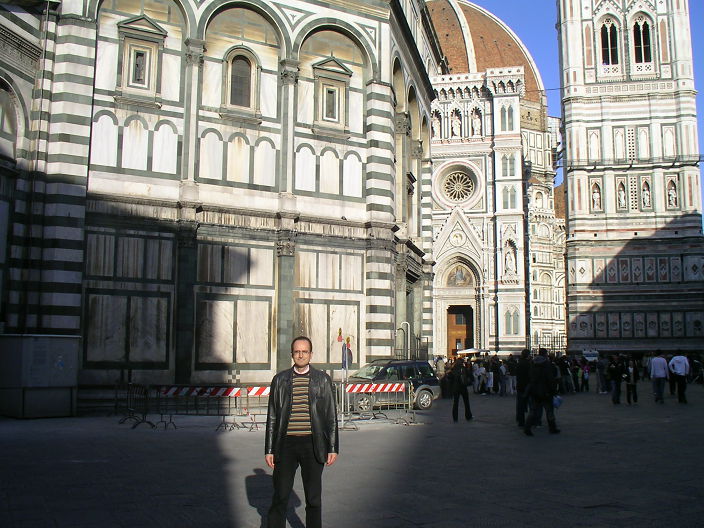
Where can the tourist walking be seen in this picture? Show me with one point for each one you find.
(659, 373)
(632, 378)
(584, 376)
(542, 387)
(522, 380)
(460, 377)
(615, 373)
(679, 368)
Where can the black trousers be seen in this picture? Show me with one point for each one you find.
(631, 393)
(681, 382)
(456, 393)
(295, 451)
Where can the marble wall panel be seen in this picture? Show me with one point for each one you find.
(305, 170)
(236, 265)
(345, 317)
(612, 272)
(312, 321)
(106, 65)
(166, 259)
(614, 325)
(216, 320)
(253, 330)
(585, 325)
(264, 164)
(306, 269)
(693, 268)
(639, 324)
(106, 318)
(695, 324)
(652, 324)
(210, 158)
(663, 269)
(356, 108)
(165, 154)
(100, 255)
(148, 324)
(627, 324)
(352, 177)
(261, 266)
(600, 325)
(329, 173)
(676, 269)
(650, 269)
(211, 87)
(306, 101)
(103, 149)
(599, 270)
(238, 160)
(637, 269)
(171, 77)
(209, 263)
(152, 251)
(269, 94)
(130, 257)
(665, 324)
(351, 272)
(624, 265)
(329, 271)
(678, 324)
(135, 142)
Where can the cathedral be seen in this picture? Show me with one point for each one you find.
(187, 185)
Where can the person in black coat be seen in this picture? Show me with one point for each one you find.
(615, 373)
(460, 377)
(522, 379)
(632, 378)
(542, 388)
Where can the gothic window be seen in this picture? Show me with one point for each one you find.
(609, 43)
(641, 40)
(510, 118)
(241, 72)
(503, 119)
(509, 323)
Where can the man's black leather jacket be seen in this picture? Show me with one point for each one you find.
(323, 413)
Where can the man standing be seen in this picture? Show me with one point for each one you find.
(542, 387)
(679, 367)
(301, 429)
(659, 374)
(460, 377)
(522, 381)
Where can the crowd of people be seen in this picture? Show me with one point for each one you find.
(537, 380)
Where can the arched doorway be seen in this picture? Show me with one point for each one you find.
(460, 328)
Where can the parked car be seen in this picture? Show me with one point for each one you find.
(426, 386)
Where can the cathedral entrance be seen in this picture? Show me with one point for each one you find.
(460, 329)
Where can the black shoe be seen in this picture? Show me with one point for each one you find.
(469, 418)
(527, 432)
(554, 431)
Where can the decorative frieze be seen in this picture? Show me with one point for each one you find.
(18, 52)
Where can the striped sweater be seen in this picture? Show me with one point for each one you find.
(299, 421)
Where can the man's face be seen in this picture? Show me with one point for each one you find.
(301, 353)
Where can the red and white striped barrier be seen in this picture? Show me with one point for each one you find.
(205, 392)
(258, 391)
(375, 387)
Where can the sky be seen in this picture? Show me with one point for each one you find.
(534, 23)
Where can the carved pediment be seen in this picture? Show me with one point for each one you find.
(142, 26)
(332, 65)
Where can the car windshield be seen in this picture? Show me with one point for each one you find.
(425, 370)
(368, 371)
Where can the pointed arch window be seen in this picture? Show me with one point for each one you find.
(641, 40)
(609, 43)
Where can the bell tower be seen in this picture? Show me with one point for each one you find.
(635, 249)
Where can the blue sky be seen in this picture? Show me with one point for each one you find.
(534, 23)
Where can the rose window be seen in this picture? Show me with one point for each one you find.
(458, 186)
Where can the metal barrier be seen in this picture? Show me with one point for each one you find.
(369, 401)
(188, 400)
(136, 403)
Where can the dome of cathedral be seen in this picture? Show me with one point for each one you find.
(474, 40)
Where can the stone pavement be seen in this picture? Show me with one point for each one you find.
(611, 466)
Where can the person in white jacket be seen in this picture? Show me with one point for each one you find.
(679, 368)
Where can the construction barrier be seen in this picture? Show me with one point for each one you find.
(368, 401)
(133, 400)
